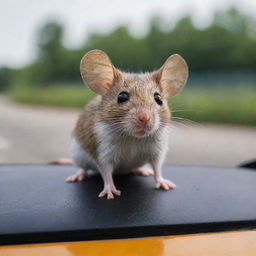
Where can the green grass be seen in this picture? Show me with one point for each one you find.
(217, 106)
(60, 96)
(236, 106)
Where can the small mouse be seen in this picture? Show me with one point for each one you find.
(126, 126)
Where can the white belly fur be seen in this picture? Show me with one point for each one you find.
(81, 157)
(124, 154)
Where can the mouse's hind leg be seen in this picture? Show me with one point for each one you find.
(77, 177)
(144, 171)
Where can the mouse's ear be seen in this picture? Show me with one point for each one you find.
(173, 75)
(98, 71)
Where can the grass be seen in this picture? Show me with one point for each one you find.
(218, 106)
(60, 96)
(236, 106)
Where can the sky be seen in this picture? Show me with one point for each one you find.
(21, 19)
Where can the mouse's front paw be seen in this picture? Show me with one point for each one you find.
(109, 191)
(165, 184)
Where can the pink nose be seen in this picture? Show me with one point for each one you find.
(144, 116)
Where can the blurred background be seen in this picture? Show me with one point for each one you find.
(41, 92)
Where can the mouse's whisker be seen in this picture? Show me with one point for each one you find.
(184, 120)
(185, 110)
(179, 125)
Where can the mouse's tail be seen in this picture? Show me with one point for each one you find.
(65, 161)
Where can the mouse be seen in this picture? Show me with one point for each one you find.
(126, 126)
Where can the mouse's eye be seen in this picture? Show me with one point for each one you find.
(122, 97)
(158, 98)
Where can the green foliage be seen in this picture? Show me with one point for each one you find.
(228, 43)
(68, 95)
(126, 52)
(50, 65)
(226, 106)
(6, 78)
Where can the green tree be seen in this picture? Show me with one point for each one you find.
(126, 51)
(228, 43)
(5, 78)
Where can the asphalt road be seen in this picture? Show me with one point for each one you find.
(37, 135)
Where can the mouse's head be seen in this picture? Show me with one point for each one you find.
(135, 104)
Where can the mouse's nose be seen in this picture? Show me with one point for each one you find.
(144, 116)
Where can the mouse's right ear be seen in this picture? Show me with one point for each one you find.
(98, 71)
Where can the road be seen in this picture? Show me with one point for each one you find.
(38, 134)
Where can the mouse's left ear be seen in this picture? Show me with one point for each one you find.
(173, 75)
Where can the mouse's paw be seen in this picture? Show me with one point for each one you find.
(77, 177)
(110, 191)
(144, 171)
(165, 184)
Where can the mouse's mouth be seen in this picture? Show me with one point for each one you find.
(141, 132)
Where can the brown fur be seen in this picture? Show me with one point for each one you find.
(84, 130)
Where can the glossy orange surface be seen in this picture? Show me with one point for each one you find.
(241, 243)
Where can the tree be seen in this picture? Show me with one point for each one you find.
(50, 63)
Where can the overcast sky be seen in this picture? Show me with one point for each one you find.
(20, 19)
